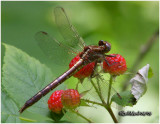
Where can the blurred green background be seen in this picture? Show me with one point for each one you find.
(127, 25)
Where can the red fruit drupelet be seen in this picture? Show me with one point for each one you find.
(117, 65)
(84, 72)
(70, 98)
(54, 102)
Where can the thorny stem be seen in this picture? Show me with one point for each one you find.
(81, 116)
(99, 94)
(110, 103)
(111, 113)
(106, 106)
(109, 90)
(99, 88)
(93, 102)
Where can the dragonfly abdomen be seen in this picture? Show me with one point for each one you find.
(53, 85)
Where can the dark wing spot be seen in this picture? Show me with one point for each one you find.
(44, 33)
(62, 9)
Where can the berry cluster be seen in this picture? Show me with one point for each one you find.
(63, 98)
(116, 65)
(70, 98)
(54, 102)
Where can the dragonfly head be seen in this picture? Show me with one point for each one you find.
(106, 45)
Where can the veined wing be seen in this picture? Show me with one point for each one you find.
(69, 33)
(53, 49)
(101, 84)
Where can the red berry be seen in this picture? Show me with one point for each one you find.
(70, 98)
(83, 72)
(117, 65)
(54, 102)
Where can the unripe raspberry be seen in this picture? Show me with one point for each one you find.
(70, 98)
(84, 72)
(54, 102)
(117, 65)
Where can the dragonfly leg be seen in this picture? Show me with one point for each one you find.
(103, 80)
(119, 95)
(106, 59)
(93, 73)
(107, 62)
(111, 55)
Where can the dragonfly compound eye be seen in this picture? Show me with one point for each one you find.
(107, 46)
(101, 42)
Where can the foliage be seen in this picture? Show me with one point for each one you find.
(23, 76)
(127, 99)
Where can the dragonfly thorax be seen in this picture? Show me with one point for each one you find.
(92, 53)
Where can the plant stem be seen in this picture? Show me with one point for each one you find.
(81, 116)
(93, 102)
(99, 88)
(112, 114)
(108, 107)
(104, 104)
(109, 90)
(99, 94)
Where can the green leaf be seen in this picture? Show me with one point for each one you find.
(28, 117)
(127, 99)
(9, 108)
(150, 72)
(10, 112)
(71, 83)
(55, 116)
(23, 77)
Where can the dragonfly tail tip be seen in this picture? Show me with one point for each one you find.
(22, 109)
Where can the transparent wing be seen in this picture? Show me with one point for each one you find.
(101, 84)
(53, 49)
(69, 33)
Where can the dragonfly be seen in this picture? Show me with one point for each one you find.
(73, 43)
